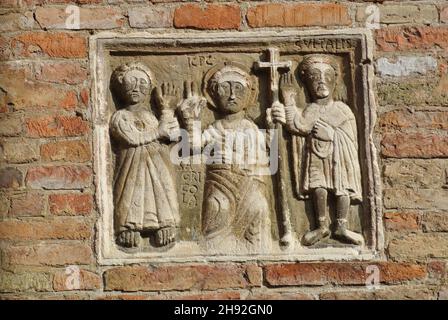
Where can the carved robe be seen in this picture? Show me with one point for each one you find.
(144, 191)
(235, 204)
(333, 165)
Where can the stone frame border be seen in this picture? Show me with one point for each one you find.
(108, 254)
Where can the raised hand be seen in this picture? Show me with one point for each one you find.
(191, 106)
(287, 89)
(168, 96)
(323, 131)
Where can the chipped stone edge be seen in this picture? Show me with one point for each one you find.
(106, 251)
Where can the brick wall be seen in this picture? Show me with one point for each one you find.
(47, 206)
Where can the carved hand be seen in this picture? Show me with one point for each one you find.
(191, 106)
(323, 131)
(168, 96)
(169, 128)
(287, 90)
(277, 113)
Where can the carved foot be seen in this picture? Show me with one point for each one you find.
(165, 236)
(129, 239)
(312, 237)
(346, 236)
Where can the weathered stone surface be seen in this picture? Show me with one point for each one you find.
(61, 177)
(11, 178)
(70, 151)
(16, 21)
(444, 14)
(298, 15)
(414, 145)
(70, 204)
(5, 204)
(87, 281)
(403, 66)
(48, 255)
(66, 228)
(213, 295)
(25, 281)
(27, 204)
(418, 246)
(416, 173)
(212, 16)
(12, 124)
(402, 221)
(435, 222)
(200, 277)
(402, 14)
(55, 45)
(56, 126)
(62, 72)
(20, 151)
(408, 119)
(339, 273)
(404, 292)
(151, 17)
(278, 295)
(428, 199)
(411, 38)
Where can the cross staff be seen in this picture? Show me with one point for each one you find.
(273, 66)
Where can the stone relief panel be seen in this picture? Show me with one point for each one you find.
(235, 147)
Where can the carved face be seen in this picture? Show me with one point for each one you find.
(231, 96)
(136, 86)
(320, 80)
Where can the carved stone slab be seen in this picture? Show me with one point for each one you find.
(235, 146)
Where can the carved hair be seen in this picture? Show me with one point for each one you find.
(229, 73)
(116, 79)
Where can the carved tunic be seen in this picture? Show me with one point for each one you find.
(144, 191)
(332, 165)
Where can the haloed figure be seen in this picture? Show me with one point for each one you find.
(330, 151)
(144, 192)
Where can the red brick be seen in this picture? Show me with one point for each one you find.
(60, 177)
(200, 277)
(405, 119)
(275, 295)
(66, 228)
(414, 145)
(71, 151)
(402, 220)
(212, 16)
(412, 38)
(28, 204)
(56, 126)
(63, 72)
(87, 281)
(298, 15)
(12, 124)
(226, 295)
(11, 178)
(90, 18)
(353, 273)
(70, 204)
(54, 45)
(48, 255)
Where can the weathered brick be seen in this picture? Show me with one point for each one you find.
(435, 222)
(60, 177)
(151, 17)
(278, 295)
(404, 292)
(90, 18)
(19, 151)
(27, 204)
(87, 281)
(418, 246)
(62, 228)
(412, 38)
(5, 204)
(425, 199)
(56, 126)
(437, 269)
(414, 145)
(16, 21)
(403, 66)
(402, 221)
(212, 16)
(444, 14)
(408, 119)
(62, 72)
(55, 45)
(298, 15)
(71, 151)
(70, 204)
(12, 124)
(213, 295)
(11, 178)
(402, 14)
(25, 281)
(415, 173)
(200, 277)
(339, 273)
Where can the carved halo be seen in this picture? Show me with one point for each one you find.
(242, 71)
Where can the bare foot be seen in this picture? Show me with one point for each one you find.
(129, 239)
(165, 236)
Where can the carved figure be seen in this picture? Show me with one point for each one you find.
(145, 197)
(328, 157)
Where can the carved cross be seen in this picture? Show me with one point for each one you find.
(273, 66)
